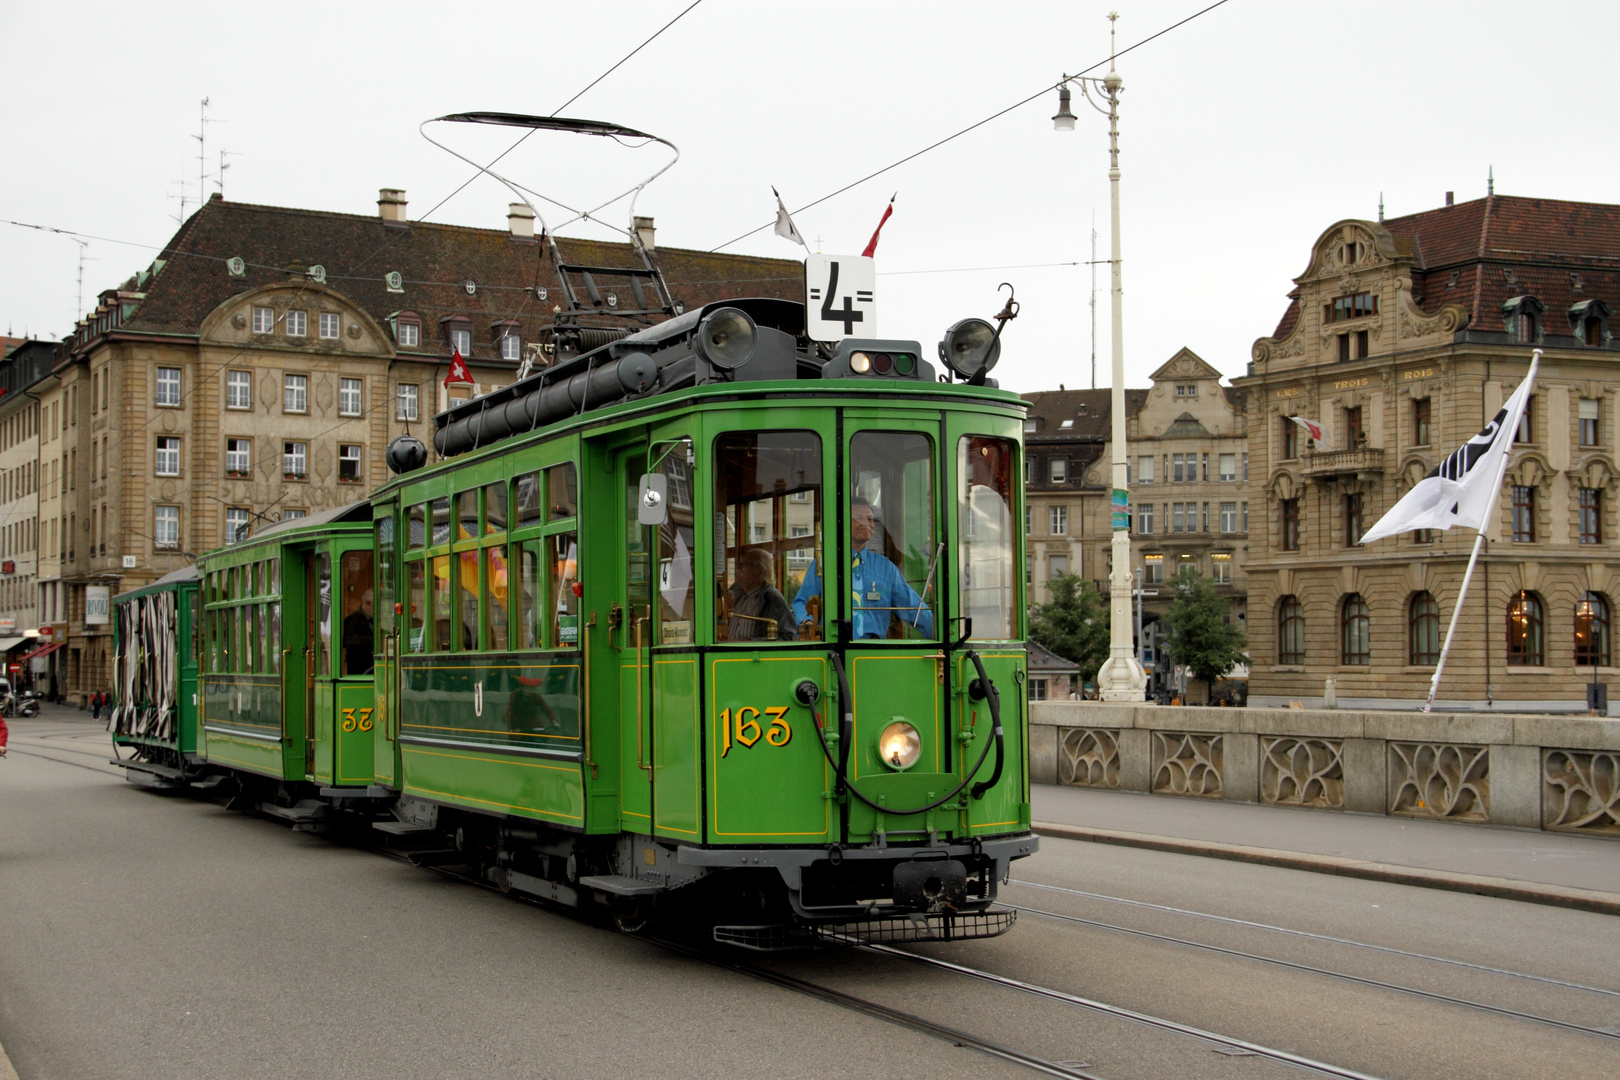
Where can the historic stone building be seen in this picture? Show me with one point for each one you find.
(260, 366)
(1403, 338)
(23, 367)
(1187, 449)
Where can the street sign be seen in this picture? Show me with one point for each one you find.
(840, 297)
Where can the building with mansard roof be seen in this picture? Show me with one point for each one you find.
(1403, 338)
(260, 366)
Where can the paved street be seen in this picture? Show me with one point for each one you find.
(156, 936)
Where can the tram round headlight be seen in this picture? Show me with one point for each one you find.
(970, 348)
(726, 338)
(900, 746)
(860, 363)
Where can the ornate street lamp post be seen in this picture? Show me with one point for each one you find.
(1121, 677)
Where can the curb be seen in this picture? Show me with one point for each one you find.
(1604, 903)
(6, 1071)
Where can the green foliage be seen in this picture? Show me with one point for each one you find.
(1200, 636)
(1074, 625)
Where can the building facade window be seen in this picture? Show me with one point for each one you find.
(348, 397)
(264, 320)
(349, 463)
(1420, 422)
(1229, 517)
(1524, 621)
(1290, 631)
(1228, 468)
(511, 346)
(408, 333)
(1057, 470)
(295, 393)
(1592, 631)
(1144, 469)
(1353, 521)
(294, 460)
(461, 340)
(1591, 426)
(1423, 630)
(1527, 428)
(1352, 427)
(1358, 306)
(1178, 517)
(1355, 626)
(1144, 519)
(407, 396)
(1029, 521)
(239, 390)
(1290, 524)
(1524, 514)
(1290, 439)
(166, 527)
(329, 326)
(1056, 566)
(168, 455)
(238, 457)
(1590, 503)
(168, 387)
(1152, 569)
(1180, 475)
(236, 524)
(297, 324)
(1220, 568)
(1057, 520)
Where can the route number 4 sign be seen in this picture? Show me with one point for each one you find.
(840, 297)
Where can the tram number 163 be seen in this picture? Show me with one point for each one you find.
(743, 726)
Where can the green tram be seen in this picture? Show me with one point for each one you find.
(710, 622)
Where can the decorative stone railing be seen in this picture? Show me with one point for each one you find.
(1365, 462)
(1560, 773)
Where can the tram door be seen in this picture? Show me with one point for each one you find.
(629, 624)
(317, 657)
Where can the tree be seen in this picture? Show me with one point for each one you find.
(1200, 635)
(1074, 625)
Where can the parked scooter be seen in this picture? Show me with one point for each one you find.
(28, 704)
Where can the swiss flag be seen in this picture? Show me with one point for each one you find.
(458, 370)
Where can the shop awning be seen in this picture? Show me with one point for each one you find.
(43, 650)
(9, 643)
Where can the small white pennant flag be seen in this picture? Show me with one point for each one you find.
(1462, 489)
(784, 223)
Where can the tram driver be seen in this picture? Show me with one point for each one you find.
(878, 589)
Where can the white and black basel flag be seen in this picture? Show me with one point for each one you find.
(1462, 489)
(784, 223)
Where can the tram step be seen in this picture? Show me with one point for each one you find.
(619, 885)
(374, 791)
(209, 783)
(165, 771)
(399, 828)
(306, 811)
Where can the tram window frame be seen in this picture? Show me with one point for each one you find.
(732, 511)
(544, 527)
(416, 526)
(387, 559)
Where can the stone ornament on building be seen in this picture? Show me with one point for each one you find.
(1302, 771)
(1581, 791)
(1089, 757)
(1187, 763)
(1440, 780)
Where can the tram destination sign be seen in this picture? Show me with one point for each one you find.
(840, 297)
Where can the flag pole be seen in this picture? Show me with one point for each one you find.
(1479, 542)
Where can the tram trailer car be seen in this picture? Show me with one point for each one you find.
(154, 715)
(711, 622)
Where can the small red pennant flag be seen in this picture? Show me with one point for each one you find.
(458, 370)
(871, 245)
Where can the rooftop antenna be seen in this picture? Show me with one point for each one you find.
(1490, 180)
(202, 151)
(184, 197)
(219, 181)
(1094, 299)
(83, 245)
(1380, 206)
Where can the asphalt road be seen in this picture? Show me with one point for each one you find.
(144, 935)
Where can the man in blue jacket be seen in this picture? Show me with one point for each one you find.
(877, 589)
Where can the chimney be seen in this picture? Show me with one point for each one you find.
(1451, 197)
(645, 230)
(520, 219)
(391, 204)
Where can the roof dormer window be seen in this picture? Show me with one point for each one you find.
(1521, 317)
(1589, 322)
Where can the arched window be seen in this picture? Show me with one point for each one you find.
(1355, 626)
(1524, 641)
(1423, 630)
(1290, 631)
(1592, 631)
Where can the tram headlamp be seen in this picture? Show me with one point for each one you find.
(900, 746)
(970, 348)
(726, 338)
(860, 363)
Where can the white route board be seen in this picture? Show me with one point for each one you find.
(840, 297)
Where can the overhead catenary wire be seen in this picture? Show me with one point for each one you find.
(974, 126)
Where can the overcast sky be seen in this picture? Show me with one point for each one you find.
(1245, 133)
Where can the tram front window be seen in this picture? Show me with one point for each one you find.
(767, 533)
(985, 537)
(358, 612)
(893, 556)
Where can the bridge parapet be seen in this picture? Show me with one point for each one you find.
(1551, 772)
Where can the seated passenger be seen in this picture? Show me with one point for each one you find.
(877, 587)
(755, 602)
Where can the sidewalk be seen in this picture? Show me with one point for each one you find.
(1539, 867)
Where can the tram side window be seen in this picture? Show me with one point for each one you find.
(531, 585)
(275, 637)
(441, 604)
(385, 581)
(676, 585)
(562, 552)
(767, 535)
(358, 655)
(984, 542)
(416, 610)
(441, 521)
(530, 504)
(893, 554)
(494, 509)
(250, 639)
(495, 597)
(323, 614)
(562, 491)
(416, 527)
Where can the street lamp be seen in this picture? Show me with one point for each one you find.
(1121, 677)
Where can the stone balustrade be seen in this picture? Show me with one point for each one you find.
(1557, 772)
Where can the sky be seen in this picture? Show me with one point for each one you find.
(1245, 133)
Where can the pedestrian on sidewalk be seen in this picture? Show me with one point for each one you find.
(95, 705)
(4, 735)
